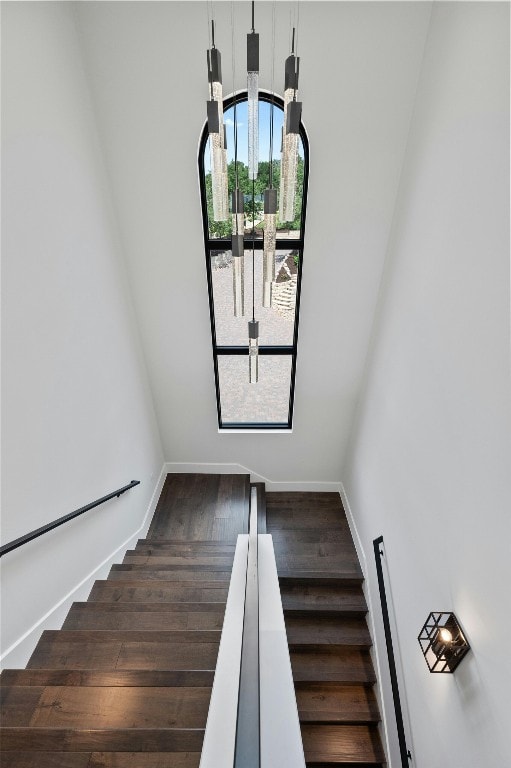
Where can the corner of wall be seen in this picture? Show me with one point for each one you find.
(18, 654)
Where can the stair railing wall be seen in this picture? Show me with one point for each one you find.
(253, 717)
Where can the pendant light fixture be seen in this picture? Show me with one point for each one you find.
(290, 136)
(238, 215)
(270, 203)
(216, 130)
(253, 99)
(238, 253)
(219, 176)
(253, 325)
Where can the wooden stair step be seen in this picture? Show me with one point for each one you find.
(298, 499)
(110, 740)
(117, 649)
(320, 630)
(131, 678)
(348, 577)
(165, 573)
(339, 534)
(206, 549)
(330, 703)
(47, 760)
(132, 557)
(228, 546)
(159, 565)
(340, 666)
(100, 760)
(145, 616)
(339, 744)
(292, 519)
(319, 550)
(349, 601)
(158, 591)
(98, 708)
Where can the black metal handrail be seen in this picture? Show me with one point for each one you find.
(61, 520)
(404, 752)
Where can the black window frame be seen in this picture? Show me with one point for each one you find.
(219, 244)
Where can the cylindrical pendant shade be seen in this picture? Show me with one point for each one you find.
(219, 180)
(238, 285)
(253, 351)
(253, 124)
(288, 165)
(270, 220)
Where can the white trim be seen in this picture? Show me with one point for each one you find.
(281, 740)
(220, 734)
(240, 431)
(48, 621)
(210, 468)
(375, 651)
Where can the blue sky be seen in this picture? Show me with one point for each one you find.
(264, 133)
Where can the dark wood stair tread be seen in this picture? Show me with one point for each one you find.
(329, 703)
(104, 707)
(48, 760)
(346, 666)
(145, 616)
(162, 573)
(131, 678)
(348, 577)
(288, 537)
(190, 561)
(120, 649)
(323, 597)
(159, 565)
(100, 760)
(137, 591)
(187, 545)
(106, 739)
(320, 630)
(339, 744)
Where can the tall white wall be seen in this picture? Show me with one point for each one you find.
(76, 411)
(430, 458)
(359, 71)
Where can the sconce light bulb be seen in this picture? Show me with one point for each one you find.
(445, 635)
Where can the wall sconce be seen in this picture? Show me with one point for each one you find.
(442, 642)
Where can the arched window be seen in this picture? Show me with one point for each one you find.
(268, 404)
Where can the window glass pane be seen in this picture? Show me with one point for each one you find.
(276, 326)
(288, 230)
(263, 403)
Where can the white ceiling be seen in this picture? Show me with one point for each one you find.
(360, 62)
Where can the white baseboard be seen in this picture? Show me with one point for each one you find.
(19, 652)
(173, 467)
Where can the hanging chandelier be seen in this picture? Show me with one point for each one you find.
(277, 206)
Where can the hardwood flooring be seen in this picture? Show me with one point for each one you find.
(127, 681)
(324, 609)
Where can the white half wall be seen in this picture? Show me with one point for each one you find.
(77, 414)
(429, 464)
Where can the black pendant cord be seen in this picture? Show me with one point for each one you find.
(253, 15)
(253, 249)
(236, 178)
(272, 97)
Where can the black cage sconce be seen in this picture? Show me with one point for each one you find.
(442, 642)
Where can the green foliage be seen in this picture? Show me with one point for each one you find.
(224, 228)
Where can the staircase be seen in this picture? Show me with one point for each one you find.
(127, 681)
(324, 610)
